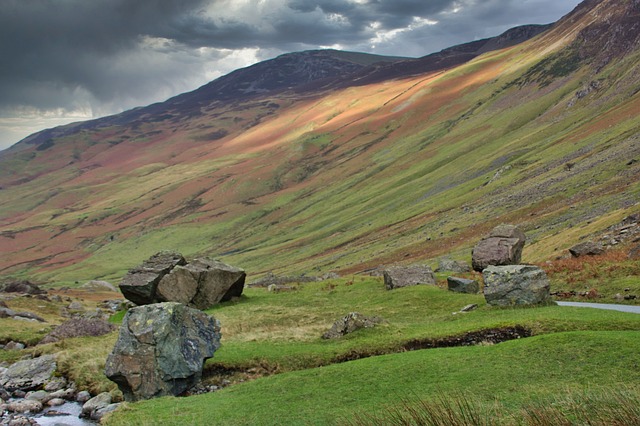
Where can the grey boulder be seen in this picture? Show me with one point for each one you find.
(349, 323)
(503, 246)
(167, 277)
(139, 285)
(446, 264)
(28, 374)
(161, 350)
(201, 283)
(405, 276)
(516, 285)
(462, 285)
(587, 248)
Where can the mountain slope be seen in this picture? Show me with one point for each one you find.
(344, 176)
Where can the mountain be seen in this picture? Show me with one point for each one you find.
(338, 161)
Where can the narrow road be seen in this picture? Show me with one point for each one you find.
(611, 307)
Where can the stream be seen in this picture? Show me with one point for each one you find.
(607, 306)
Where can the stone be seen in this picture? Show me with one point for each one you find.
(76, 306)
(96, 285)
(349, 323)
(469, 308)
(167, 277)
(587, 248)
(101, 412)
(55, 384)
(29, 316)
(29, 374)
(516, 285)
(503, 246)
(405, 276)
(6, 312)
(218, 282)
(634, 253)
(14, 346)
(42, 396)
(201, 284)
(83, 396)
(462, 285)
(78, 327)
(4, 395)
(25, 287)
(140, 283)
(56, 402)
(161, 350)
(24, 406)
(67, 394)
(446, 264)
(99, 401)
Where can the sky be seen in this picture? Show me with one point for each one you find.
(73, 60)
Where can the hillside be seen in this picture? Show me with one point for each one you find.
(333, 161)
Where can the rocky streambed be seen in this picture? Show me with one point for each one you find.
(30, 394)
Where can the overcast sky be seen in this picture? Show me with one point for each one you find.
(72, 60)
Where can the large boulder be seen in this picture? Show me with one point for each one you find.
(140, 283)
(587, 248)
(25, 287)
(167, 277)
(405, 276)
(515, 285)
(28, 374)
(201, 283)
(503, 246)
(161, 350)
(462, 285)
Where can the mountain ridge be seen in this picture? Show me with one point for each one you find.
(396, 171)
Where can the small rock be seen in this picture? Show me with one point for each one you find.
(14, 346)
(56, 402)
(55, 384)
(618, 297)
(18, 393)
(96, 285)
(101, 412)
(40, 396)
(634, 253)
(56, 298)
(4, 395)
(24, 406)
(469, 308)
(75, 306)
(630, 297)
(279, 287)
(462, 285)
(83, 396)
(96, 403)
(349, 323)
(22, 421)
(68, 394)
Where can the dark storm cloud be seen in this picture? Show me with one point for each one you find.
(104, 56)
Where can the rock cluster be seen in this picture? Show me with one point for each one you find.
(503, 246)
(167, 277)
(161, 350)
(405, 276)
(29, 387)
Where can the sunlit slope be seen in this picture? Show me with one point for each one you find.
(405, 170)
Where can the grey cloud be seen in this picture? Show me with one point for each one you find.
(75, 54)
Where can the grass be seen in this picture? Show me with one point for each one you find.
(513, 373)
